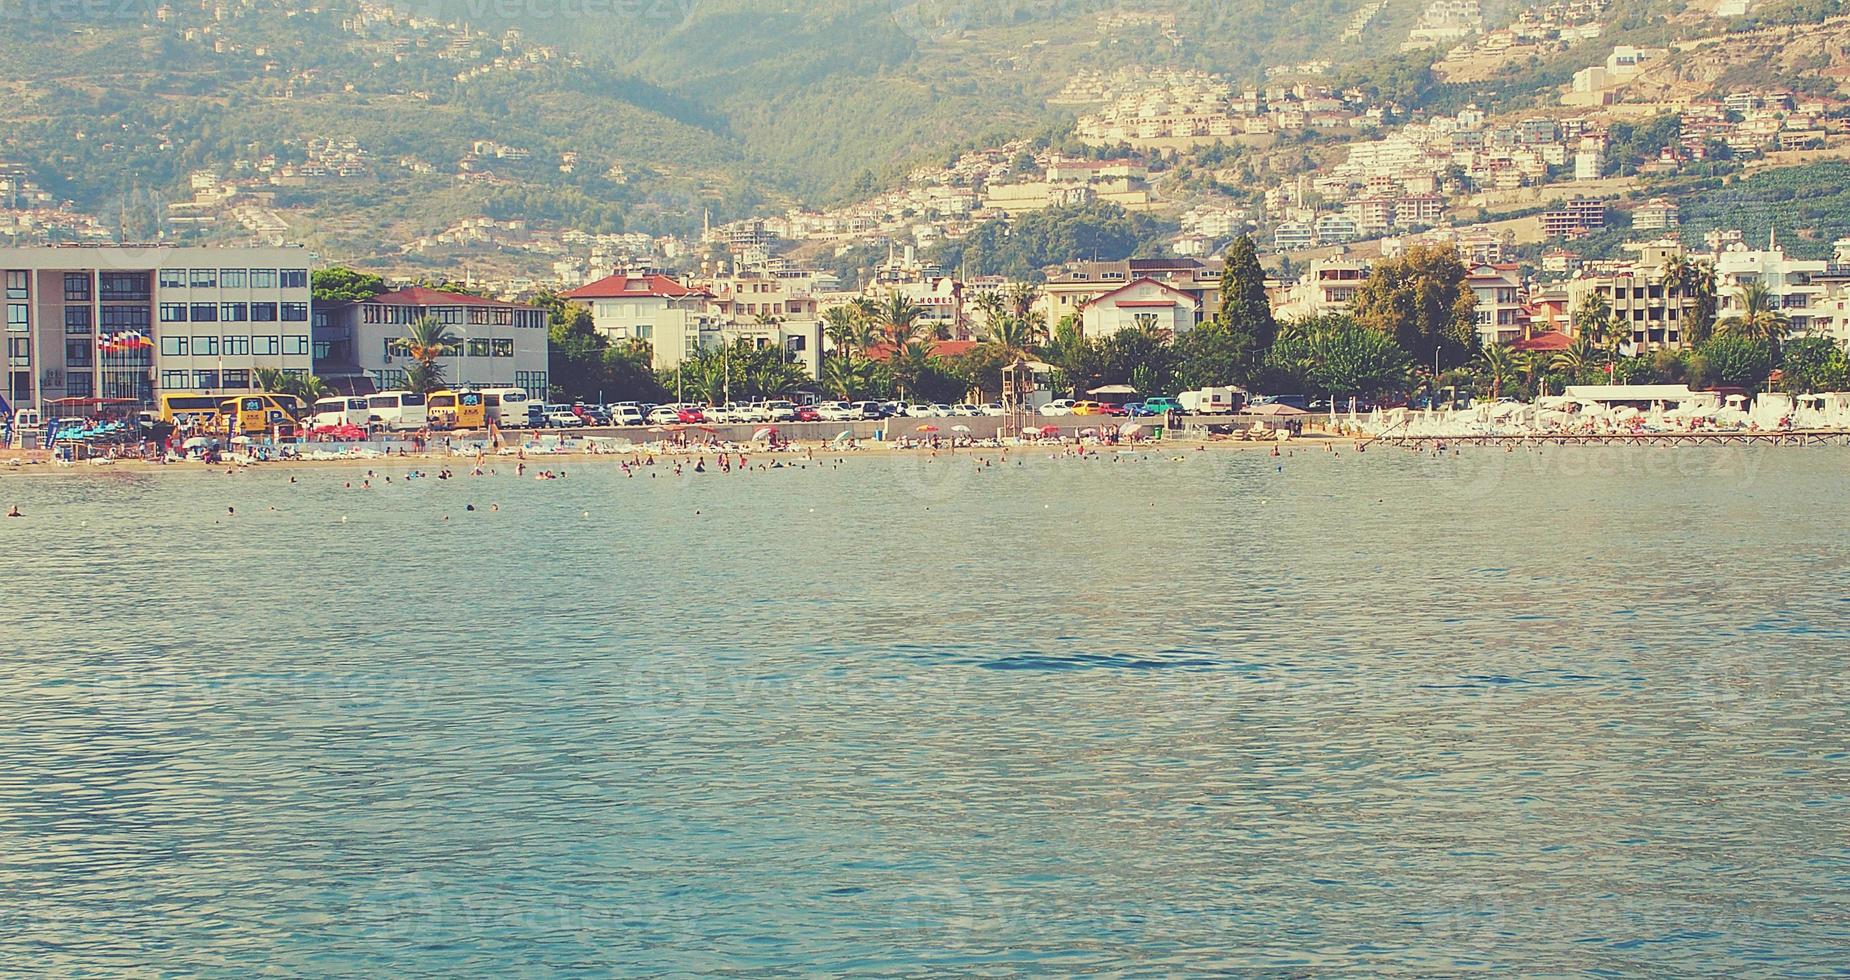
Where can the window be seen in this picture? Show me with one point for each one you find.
(295, 344)
(645, 331)
(79, 385)
(478, 347)
(205, 312)
(237, 379)
(19, 351)
(205, 379)
(173, 347)
(234, 312)
(1145, 321)
(122, 286)
(77, 319)
(263, 278)
(266, 346)
(175, 380)
(231, 278)
(16, 321)
(205, 346)
(77, 353)
(19, 387)
(263, 312)
(173, 312)
(173, 278)
(77, 287)
(448, 314)
(503, 347)
(391, 348)
(236, 346)
(532, 381)
(17, 283)
(203, 278)
(125, 318)
(293, 278)
(295, 312)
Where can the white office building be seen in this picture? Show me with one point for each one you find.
(130, 321)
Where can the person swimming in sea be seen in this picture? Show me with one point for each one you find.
(14, 511)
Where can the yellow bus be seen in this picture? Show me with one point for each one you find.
(257, 413)
(457, 410)
(191, 409)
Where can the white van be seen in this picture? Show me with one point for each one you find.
(400, 411)
(339, 411)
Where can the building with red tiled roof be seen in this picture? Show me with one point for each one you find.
(938, 348)
(622, 285)
(1145, 304)
(1547, 342)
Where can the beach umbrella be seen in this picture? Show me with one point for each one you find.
(1088, 432)
(960, 428)
(843, 436)
(241, 441)
(1129, 429)
(927, 427)
(764, 433)
(197, 442)
(1050, 430)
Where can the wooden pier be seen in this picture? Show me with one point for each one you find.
(1813, 437)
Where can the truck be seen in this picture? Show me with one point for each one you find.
(1212, 401)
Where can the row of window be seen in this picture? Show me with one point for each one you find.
(77, 318)
(234, 278)
(476, 347)
(119, 286)
(234, 312)
(290, 345)
(211, 380)
(479, 316)
(532, 381)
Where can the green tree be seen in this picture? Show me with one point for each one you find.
(1696, 282)
(1212, 354)
(337, 284)
(1336, 355)
(1814, 364)
(1738, 360)
(1423, 300)
(1760, 318)
(426, 342)
(896, 321)
(1246, 309)
(1498, 366)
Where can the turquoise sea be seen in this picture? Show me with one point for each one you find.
(1569, 713)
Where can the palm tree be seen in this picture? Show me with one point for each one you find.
(898, 321)
(849, 377)
(1577, 359)
(1499, 367)
(1022, 297)
(993, 307)
(1760, 318)
(846, 329)
(426, 343)
(1593, 322)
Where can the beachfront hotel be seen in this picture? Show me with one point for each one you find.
(498, 343)
(130, 321)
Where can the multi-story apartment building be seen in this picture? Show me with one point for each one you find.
(672, 318)
(1573, 217)
(1068, 293)
(131, 321)
(1789, 279)
(1645, 310)
(498, 344)
(1500, 315)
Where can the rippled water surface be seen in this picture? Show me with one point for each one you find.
(1387, 714)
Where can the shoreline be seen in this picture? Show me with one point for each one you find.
(800, 451)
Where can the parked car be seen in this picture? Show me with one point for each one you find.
(664, 415)
(993, 409)
(1059, 406)
(808, 413)
(689, 415)
(919, 411)
(834, 412)
(564, 418)
(1085, 408)
(871, 411)
(1108, 408)
(625, 415)
(1160, 406)
(780, 411)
